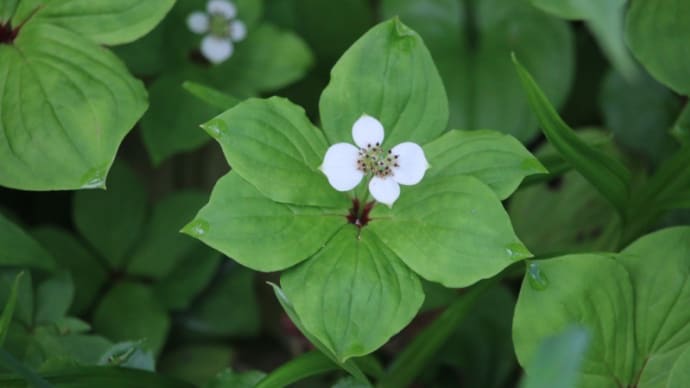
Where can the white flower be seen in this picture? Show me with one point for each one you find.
(221, 28)
(345, 165)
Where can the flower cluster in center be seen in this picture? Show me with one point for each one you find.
(374, 159)
(346, 165)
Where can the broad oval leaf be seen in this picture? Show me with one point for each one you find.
(450, 229)
(593, 291)
(66, 106)
(107, 22)
(639, 113)
(130, 311)
(112, 221)
(259, 233)
(18, 249)
(471, 42)
(605, 20)
(388, 74)
(354, 294)
(657, 32)
(558, 360)
(162, 247)
(605, 173)
(272, 145)
(171, 125)
(88, 273)
(631, 303)
(498, 160)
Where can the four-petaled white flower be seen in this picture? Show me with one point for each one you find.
(345, 165)
(221, 29)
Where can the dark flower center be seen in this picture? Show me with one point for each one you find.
(359, 215)
(374, 159)
(7, 34)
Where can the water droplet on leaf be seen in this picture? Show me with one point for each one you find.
(197, 228)
(215, 128)
(536, 277)
(94, 179)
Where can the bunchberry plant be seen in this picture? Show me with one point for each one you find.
(299, 199)
(221, 28)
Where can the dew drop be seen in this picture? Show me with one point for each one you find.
(197, 228)
(215, 128)
(536, 277)
(94, 179)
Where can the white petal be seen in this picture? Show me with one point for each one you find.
(340, 166)
(238, 31)
(216, 49)
(222, 7)
(198, 22)
(367, 131)
(412, 163)
(384, 190)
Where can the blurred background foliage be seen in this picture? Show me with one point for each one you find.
(108, 280)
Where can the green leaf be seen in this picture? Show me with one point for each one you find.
(452, 230)
(179, 288)
(77, 103)
(24, 307)
(254, 64)
(88, 273)
(498, 160)
(162, 247)
(639, 113)
(68, 348)
(350, 366)
(27, 376)
(8, 310)
(108, 22)
(112, 220)
(129, 311)
(680, 374)
(389, 74)
(538, 211)
(570, 297)
(172, 124)
(354, 294)
(605, 20)
(257, 232)
(101, 376)
(210, 95)
(197, 364)
(228, 308)
(53, 298)
(558, 359)
(658, 38)
(410, 362)
(279, 154)
(681, 128)
(635, 314)
(605, 173)
(471, 42)
(230, 379)
(18, 249)
(7, 10)
(306, 365)
(328, 29)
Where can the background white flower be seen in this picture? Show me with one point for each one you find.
(345, 165)
(221, 27)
